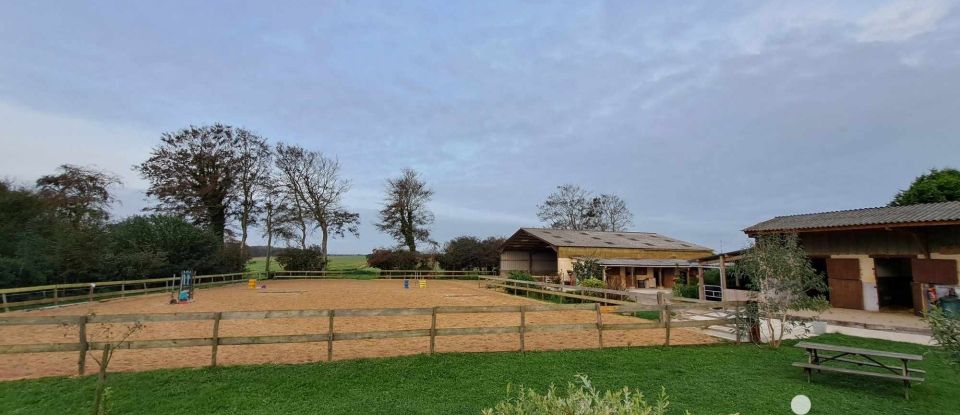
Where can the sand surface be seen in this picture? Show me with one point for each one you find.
(310, 294)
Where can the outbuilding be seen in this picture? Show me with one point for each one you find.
(885, 258)
(630, 259)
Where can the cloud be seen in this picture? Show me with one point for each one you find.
(903, 19)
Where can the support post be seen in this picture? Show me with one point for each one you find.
(523, 328)
(90, 293)
(660, 302)
(906, 383)
(433, 330)
(723, 278)
(56, 296)
(666, 312)
(123, 289)
(84, 346)
(330, 338)
(216, 339)
(599, 326)
(5, 307)
(703, 289)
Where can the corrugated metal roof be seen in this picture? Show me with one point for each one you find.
(652, 263)
(599, 239)
(928, 212)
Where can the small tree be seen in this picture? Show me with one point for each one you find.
(79, 194)
(588, 268)
(946, 331)
(109, 348)
(405, 215)
(780, 275)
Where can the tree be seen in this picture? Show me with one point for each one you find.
(274, 211)
(292, 162)
(253, 171)
(293, 259)
(193, 173)
(393, 259)
(468, 253)
(946, 331)
(405, 215)
(314, 180)
(79, 194)
(160, 246)
(935, 186)
(572, 207)
(780, 276)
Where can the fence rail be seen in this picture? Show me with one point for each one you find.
(83, 346)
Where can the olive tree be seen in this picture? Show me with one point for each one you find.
(780, 276)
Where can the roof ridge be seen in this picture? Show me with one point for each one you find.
(589, 230)
(865, 209)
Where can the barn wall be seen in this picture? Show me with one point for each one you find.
(544, 263)
(514, 261)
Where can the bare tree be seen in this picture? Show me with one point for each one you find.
(314, 183)
(275, 214)
(193, 174)
(80, 194)
(405, 215)
(572, 207)
(611, 213)
(292, 162)
(253, 169)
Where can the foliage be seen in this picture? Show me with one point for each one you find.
(78, 194)
(580, 399)
(253, 178)
(591, 283)
(405, 216)
(780, 275)
(713, 379)
(711, 276)
(935, 186)
(572, 207)
(588, 268)
(397, 258)
(469, 253)
(520, 275)
(193, 173)
(295, 259)
(946, 331)
(686, 290)
(160, 246)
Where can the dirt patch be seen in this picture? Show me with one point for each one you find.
(312, 294)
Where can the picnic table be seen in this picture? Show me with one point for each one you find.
(820, 354)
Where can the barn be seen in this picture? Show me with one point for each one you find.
(631, 259)
(886, 258)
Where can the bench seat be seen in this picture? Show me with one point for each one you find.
(811, 366)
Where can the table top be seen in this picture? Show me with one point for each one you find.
(854, 350)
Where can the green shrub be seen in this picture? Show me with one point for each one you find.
(946, 331)
(293, 259)
(520, 275)
(591, 283)
(580, 399)
(587, 268)
(686, 290)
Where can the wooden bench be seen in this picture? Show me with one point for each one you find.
(817, 357)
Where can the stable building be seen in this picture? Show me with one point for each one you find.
(885, 258)
(630, 259)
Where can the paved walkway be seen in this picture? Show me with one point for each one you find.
(882, 320)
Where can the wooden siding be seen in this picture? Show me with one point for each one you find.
(896, 241)
(628, 253)
(934, 271)
(843, 277)
(843, 268)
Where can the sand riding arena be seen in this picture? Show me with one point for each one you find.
(310, 295)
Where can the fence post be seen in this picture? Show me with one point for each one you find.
(523, 328)
(738, 324)
(216, 339)
(660, 302)
(599, 326)
(123, 289)
(82, 361)
(90, 293)
(433, 330)
(5, 307)
(56, 298)
(666, 312)
(330, 338)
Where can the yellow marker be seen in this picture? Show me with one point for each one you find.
(423, 283)
(252, 283)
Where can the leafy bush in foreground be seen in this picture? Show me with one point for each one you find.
(591, 283)
(581, 399)
(946, 331)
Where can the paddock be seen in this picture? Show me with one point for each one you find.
(329, 294)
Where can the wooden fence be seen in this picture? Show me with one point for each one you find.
(381, 274)
(15, 298)
(577, 292)
(83, 346)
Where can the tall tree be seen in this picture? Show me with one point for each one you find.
(292, 163)
(253, 170)
(193, 174)
(935, 186)
(275, 208)
(405, 215)
(79, 194)
(611, 213)
(572, 207)
(315, 180)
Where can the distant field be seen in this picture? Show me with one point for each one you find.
(337, 263)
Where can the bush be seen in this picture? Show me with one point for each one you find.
(391, 259)
(946, 331)
(588, 268)
(686, 290)
(520, 275)
(293, 259)
(591, 283)
(580, 399)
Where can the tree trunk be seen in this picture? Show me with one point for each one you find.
(269, 249)
(101, 380)
(323, 244)
(244, 224)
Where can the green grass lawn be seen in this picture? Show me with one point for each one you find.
(337, 263)
(718, 379)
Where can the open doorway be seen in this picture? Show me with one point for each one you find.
(820, 265)
(894, 283)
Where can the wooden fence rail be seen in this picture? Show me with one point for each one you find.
(330, 336)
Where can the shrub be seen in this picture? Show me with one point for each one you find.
(587, 268)
(293, 259)
(384, 258)
(686, 290)
(519, 275)
(591, 283)
(946, 331)
(580, 399)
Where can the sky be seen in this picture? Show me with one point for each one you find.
(705, 117)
